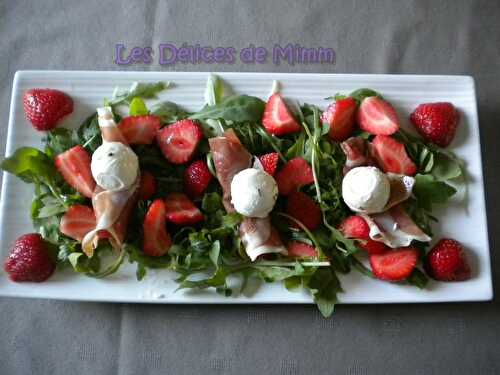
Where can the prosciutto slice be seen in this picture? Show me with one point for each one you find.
(230, 157)
(394, 228)
(357, 152)
(112, 208)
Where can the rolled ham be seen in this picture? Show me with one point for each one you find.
(230, 157)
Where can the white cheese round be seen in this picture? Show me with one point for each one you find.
(366, 189)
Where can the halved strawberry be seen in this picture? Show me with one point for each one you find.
(395, 265)
(147, 188)
(355, 227)
(269, 162)
(294, 174)
(391, 156)
(181, 211)
(340, 115)
(304, 209)
(436, 122)
(277, 118)
(156, 241)
(373, 247)
(74, 166)
(178, 141)
(140, 130)
(197, 177)
(78, 221)
(45, 107)
(376, 116)
(297, 249)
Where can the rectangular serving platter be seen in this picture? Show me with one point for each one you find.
(463, 219)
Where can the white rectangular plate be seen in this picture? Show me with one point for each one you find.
(88, 89)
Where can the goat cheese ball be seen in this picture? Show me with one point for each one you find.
(366, 189)
(253, 193)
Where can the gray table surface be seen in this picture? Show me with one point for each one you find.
(423, 37)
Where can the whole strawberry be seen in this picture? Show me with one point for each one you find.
(197, 177)
(447, 262)
(45, 107)
(29, 259)
(436, 122)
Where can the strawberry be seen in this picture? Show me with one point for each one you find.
(147, 187)
(29, 259)
(340, 115)
(156, 241)
(45, 107)
(269, 162)
(304, 209)
(74, 166)
(197, 177)
(297, 249)
(373, 247)
(447, 261)
(294, 174)
(391, 156)
(355, 227)
(140, 130)
(277, 118)
(436, 122)
(178, 141)
(394, 265)
(376, 116)
(181, 211)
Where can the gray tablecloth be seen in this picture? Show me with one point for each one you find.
(436, 37)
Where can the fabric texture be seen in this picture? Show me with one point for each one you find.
(422, 37)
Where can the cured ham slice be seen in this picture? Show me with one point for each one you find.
(357, 152)
(401, 188)
(112, 208)
(395, 228)
(230, 157)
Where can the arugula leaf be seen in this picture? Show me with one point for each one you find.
(237, 108)
(418, 279)
(363, 93)
(429, 191)
(31, 165)
(169, 112)
(89, 133)
(446, 167)
(137, 107)
(144, 90)
(214, 90)
(59, 140)
(324, 286)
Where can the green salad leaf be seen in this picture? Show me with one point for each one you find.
(237, 108)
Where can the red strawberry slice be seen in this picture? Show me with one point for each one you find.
(436, 122)
(181, 211)
(77, 221)
(156, 241)
(197, 177)
(294, 174)
(45, 107)
(394, 265)
(355, 227)
(277, 118)
(29, 259)
(297, 249)
(376, 116)
(373, 247)
(447, 261)
(391, 156)
(340, 115)
(269, 162)
(304, 209)
(147, 188)
(74, 166)
(178, 141)
(140, 130)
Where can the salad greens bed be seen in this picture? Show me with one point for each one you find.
(210, 254)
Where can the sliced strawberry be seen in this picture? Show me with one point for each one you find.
(355, 227)
(340, 115)
(297, 249)
(376, 116)
(178, 141)
(45, 107)
(391, 156)
(156, 240)
(140, 130)
(395, 265)
(147, 187)
(78, 221)
(269, 162)
(197, 177)
(74, 166)
(181, 211)
(304, 209)
(373, 247)
(294, 174)
(277, 118)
